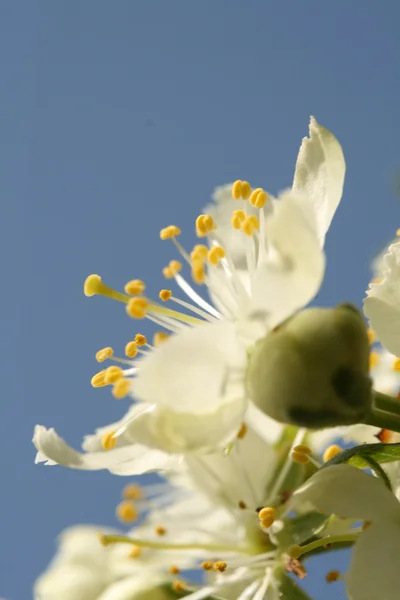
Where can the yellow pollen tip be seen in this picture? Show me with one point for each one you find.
(198, 272)
(159, 338)
(169, 232)
(134, 287)
(172, 269)
(121, 388)
(112, 374)
(371, 336)
(242, 431)
(140, 339)
(199, 252)
(250, 224)
(131, 349)
(302, 449)
(246, 190)
(397, 232)
(179, 586)
(98, 380)
(331, 451)
(332, 576)
(93, 285)
(207, 565)
(258, 198)
(108, 440)
(137, 307)
(165, 295)
(220, 566)
(238, 216)
(242, 505)
(103, 354)
(300, 458)
(237, 189)
(267, 512)
(396, 364)
(135, 552)
(215, 254)
(174, 570)
(126, 512)
(374, 359)
(160, 530)
(132, 492)
(204, 224)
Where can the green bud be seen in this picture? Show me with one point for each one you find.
(313, 370)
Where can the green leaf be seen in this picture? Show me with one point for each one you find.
(380, 453)
(290, 590)
(300, 529)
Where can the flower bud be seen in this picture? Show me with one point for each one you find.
(313, 370)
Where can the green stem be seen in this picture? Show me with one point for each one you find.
(386, 403)
(297, 551)
(383, 420)
(121, 539)
(379, 472)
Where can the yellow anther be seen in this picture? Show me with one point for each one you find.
(397, 232)
(238, 216)
(199, 252)
(94, 285)
(108, 440)
(112, 374)
(215, 254)
(169, 232)
(98, 380)
(174, 570)
(165, 295)
(140, 339)
(173, 269)
(266, 513)
(374, 359)
(160, 337)
(242, 505)
(246, 190)
(135, 552)
(198, 272)
(250, 224)
(135, 287)
(242, 431)
(220, 566)
(137, 307)
(258, 198)
(121, 388)
(132, 492)
(300, 458)
(179, 586)
(103, 539)
(160, 530)
(103, 354)
(332, 576)
(237, 189)
(204, 224)
(126, 512)
(396, 364)
(371, 336)
(331, 451)
(207, 565)
(302, 449)
(131, 349)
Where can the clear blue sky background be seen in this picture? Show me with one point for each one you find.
(118, 118)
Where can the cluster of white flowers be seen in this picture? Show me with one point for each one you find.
(239, 404)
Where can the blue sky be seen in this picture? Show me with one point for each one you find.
(118, 118)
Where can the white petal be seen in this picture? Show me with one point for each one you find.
(136, 588)
(349, 493)
(375, 563)
(70, 582)
(319, 176)
(289, 280)
(382, 304)
(133, 459)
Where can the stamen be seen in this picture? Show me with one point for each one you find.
(160, 337)
(173, 269)
(207, 565)
(371, 336)
(169, 232)
(160, 530)
(112, 374)
(109, 440)
(204, 225)
(297, 551)
(94, 286)
(132, 492)
(331, 451)
(396, 365)
(106, 540)
(267, 516)
(121, 388)
(258, 198)
(179, 586)
(137, 307)
(241, 189)
(198, 272)
(98, 380)
(140, 340)
(385, 436)
(301, 454)
(332, 576)
(103, 354)
(238, 216)
(131, 349)
(374, 359)
(242, 431)
(250, 224)
(126, 512)
(199, 252)
(242, 505)
(303, 449)
(195, 297)
(135, 552)
(220, 566)
(135, 287)
(174, 570)
(215, 254)
(165, 295)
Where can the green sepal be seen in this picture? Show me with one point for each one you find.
(290, 590)
(300, 529)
